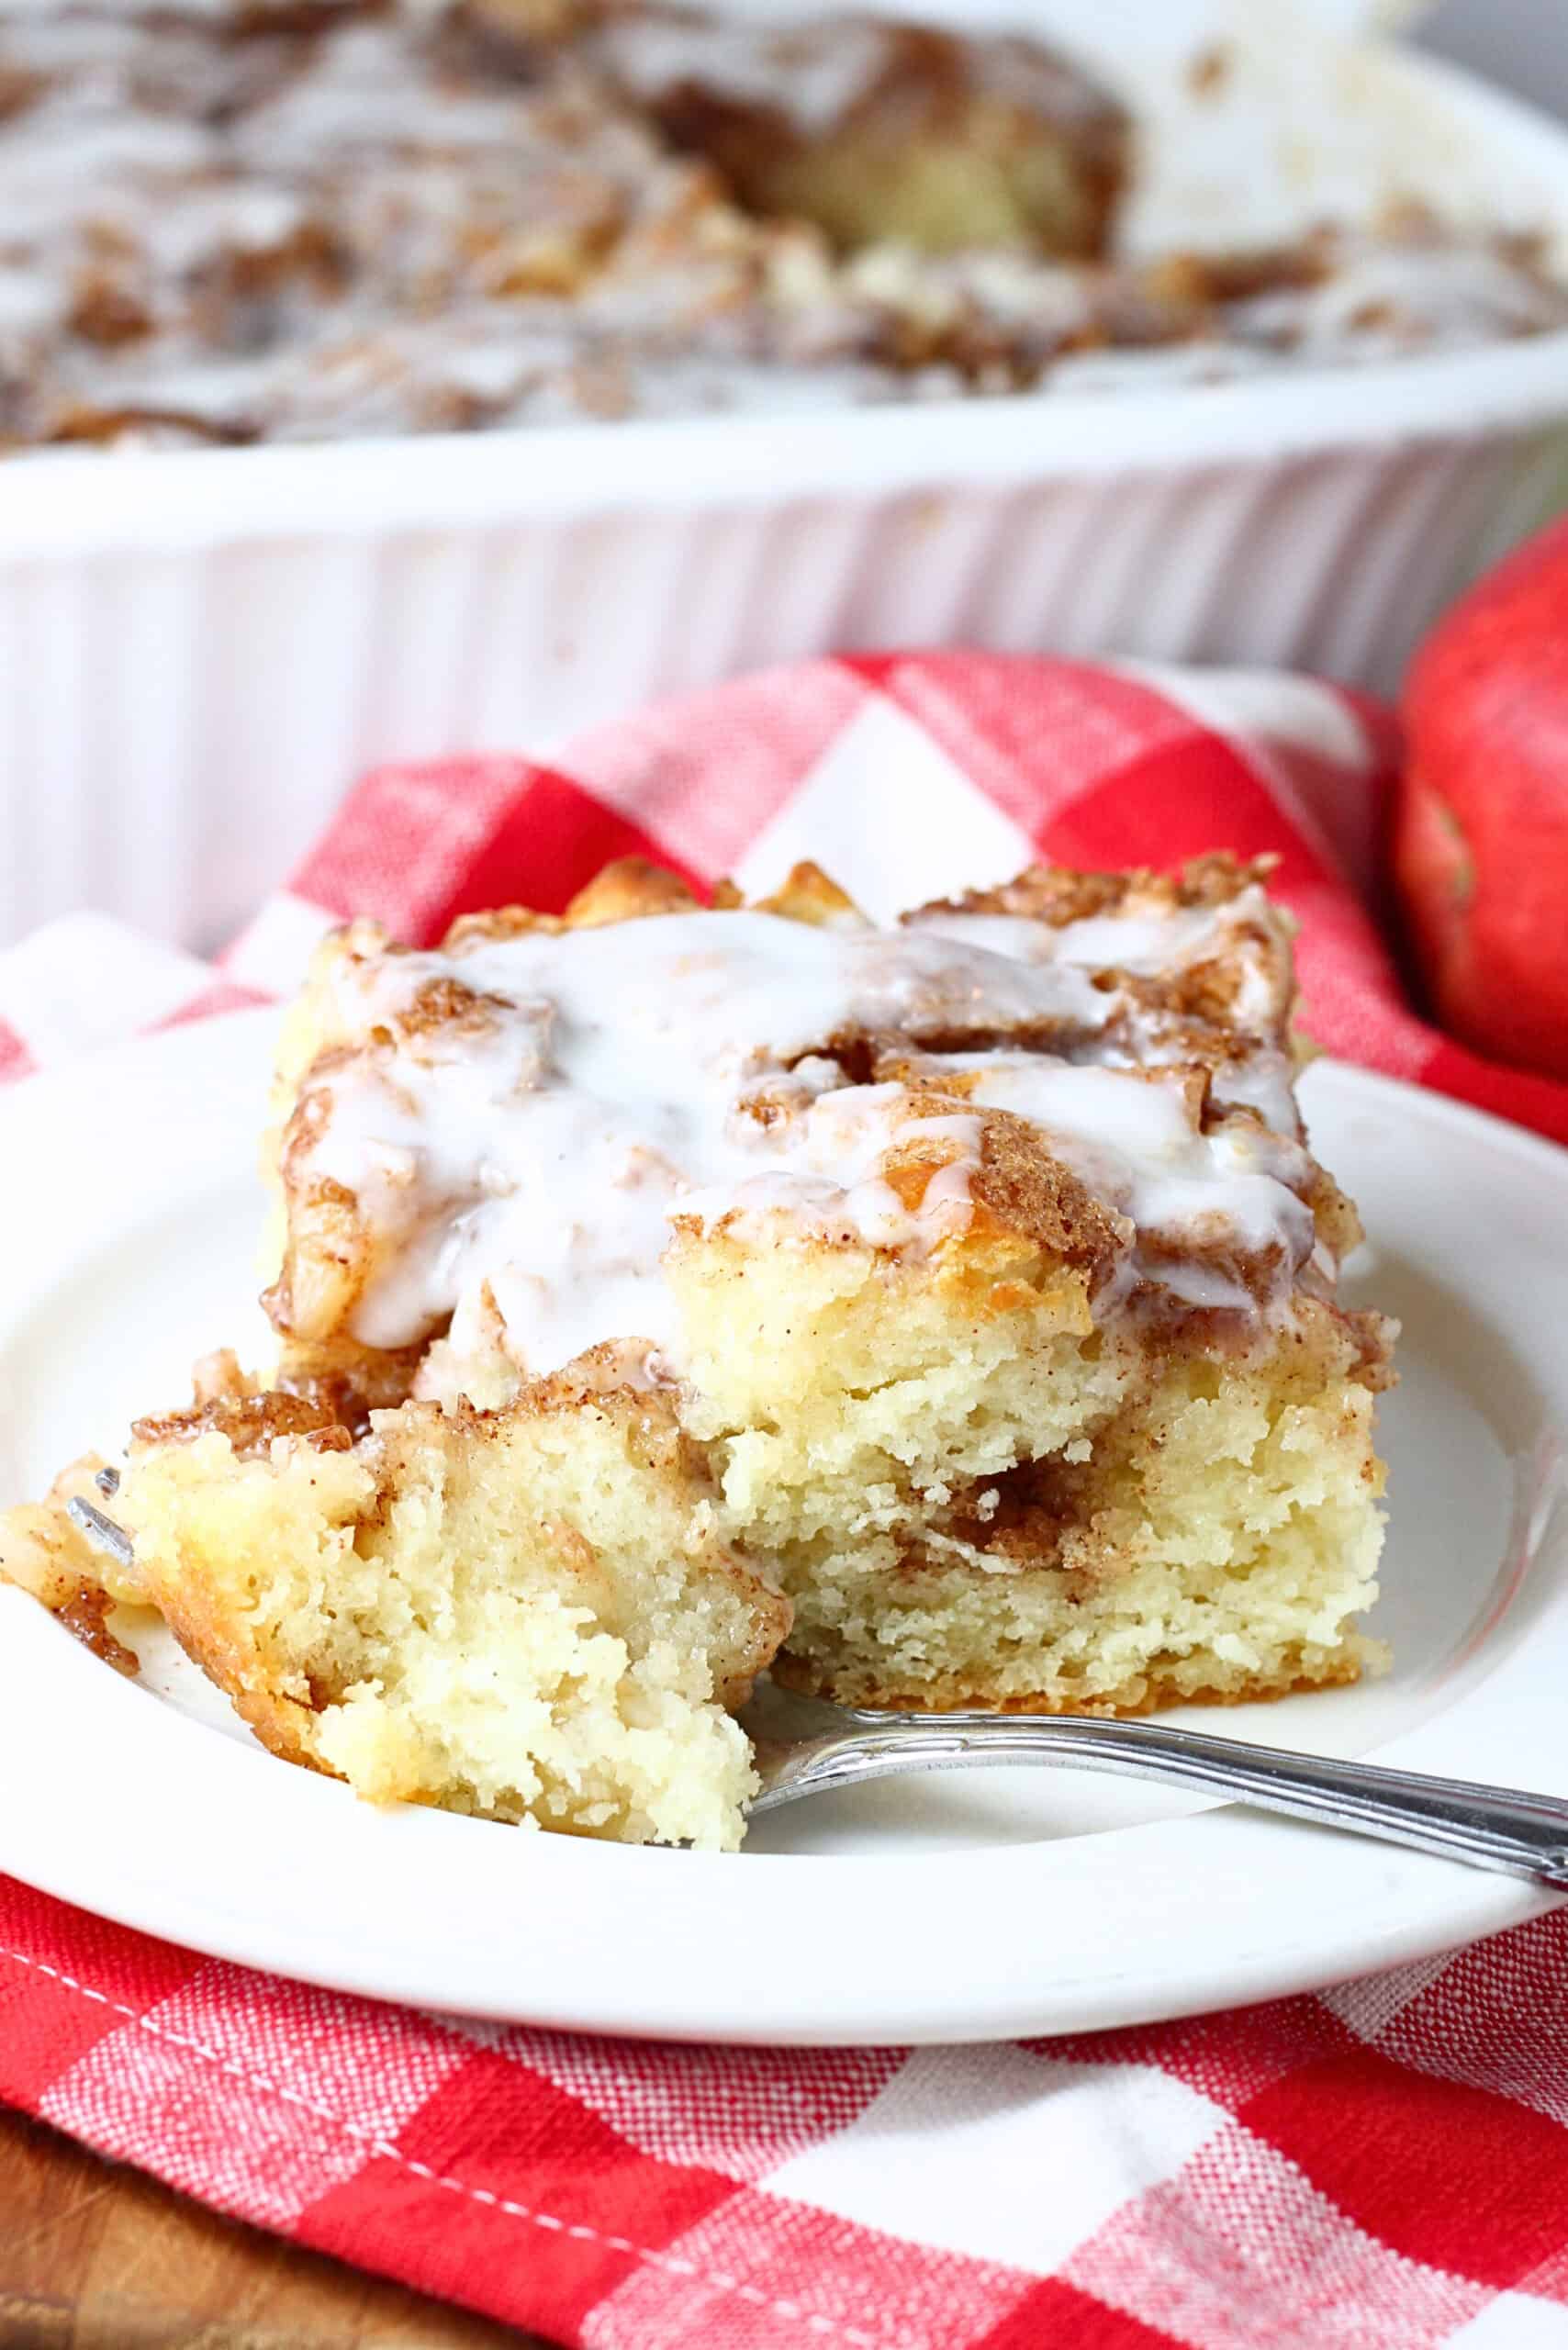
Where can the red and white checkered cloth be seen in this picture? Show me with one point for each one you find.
(1382, 2168)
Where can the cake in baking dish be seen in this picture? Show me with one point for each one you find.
(227, 221)
(942, 1315)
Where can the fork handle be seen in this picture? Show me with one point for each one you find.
(1491, 1827)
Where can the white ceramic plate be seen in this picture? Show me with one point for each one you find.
(973, 1907)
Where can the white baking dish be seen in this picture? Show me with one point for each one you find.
(198, 650)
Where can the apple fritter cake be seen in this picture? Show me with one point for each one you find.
(941, 1315)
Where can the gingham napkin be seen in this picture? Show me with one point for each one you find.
(1382, 2168)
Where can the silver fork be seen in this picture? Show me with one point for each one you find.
(805, 1747)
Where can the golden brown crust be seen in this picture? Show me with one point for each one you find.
(209, 1638)
(632, 887)
(1147, 1691)
(629, 890)
(807, 894)
(251, 1423)
(498, 922)
(347, 1380)
(85, 1617)
(647, 1416)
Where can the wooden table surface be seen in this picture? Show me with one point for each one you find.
(94, 2257)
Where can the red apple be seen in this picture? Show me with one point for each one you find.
(1481, 834)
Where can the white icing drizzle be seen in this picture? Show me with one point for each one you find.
(517, 1161)
(1243, 932)
(1142, 938)
(1134, 1139)
(813, 83)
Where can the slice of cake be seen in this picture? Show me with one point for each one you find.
(943, 1313)
(522, 1614)
(524, 1611)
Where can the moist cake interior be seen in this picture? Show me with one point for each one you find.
(938, 1316)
